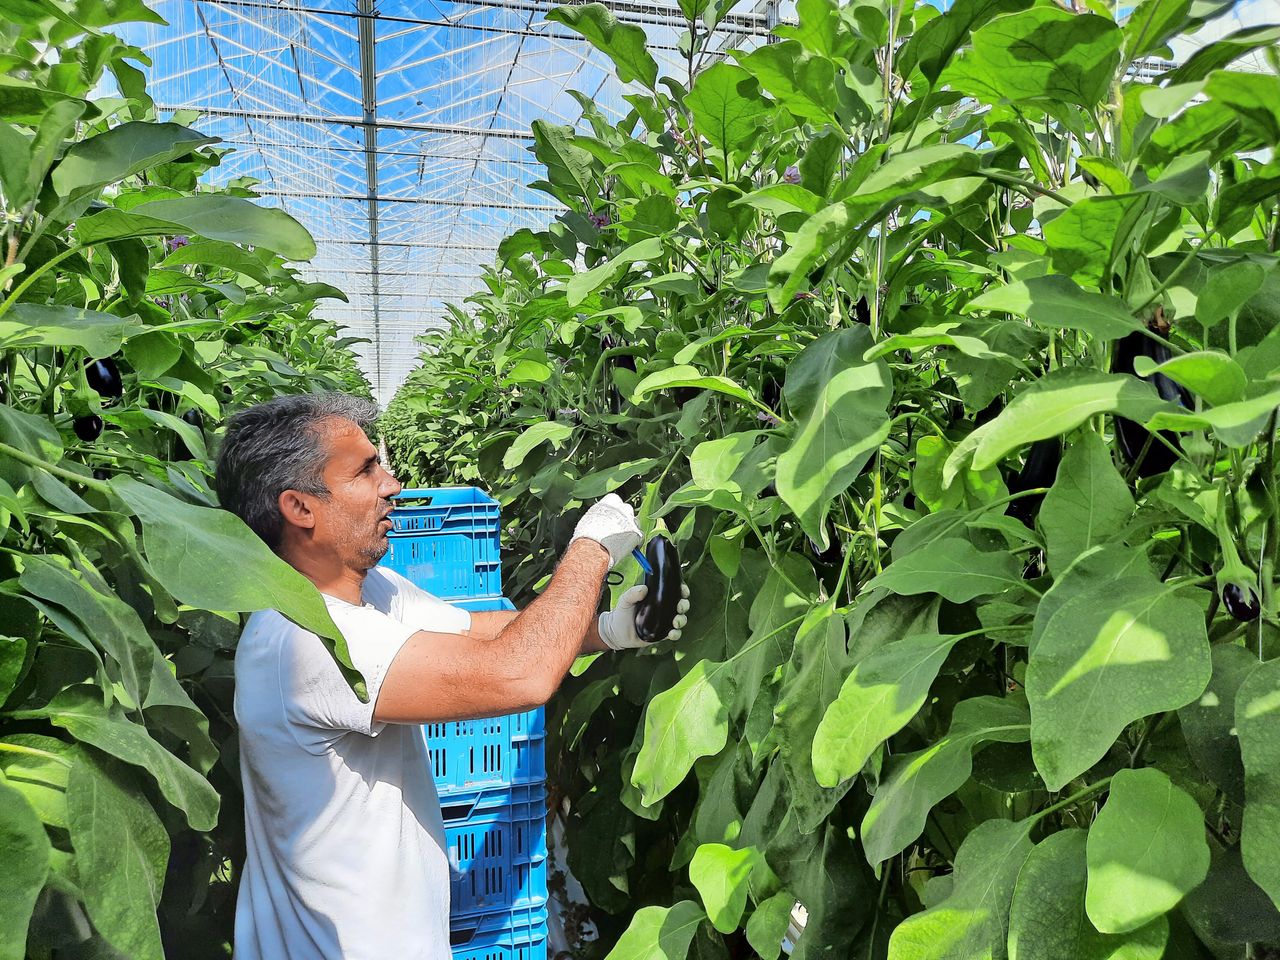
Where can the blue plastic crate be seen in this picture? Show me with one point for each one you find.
(497, 847)
(468, 755)
(445, 540)
(521, 935)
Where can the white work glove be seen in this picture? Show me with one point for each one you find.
(612, 524)
(618, 626)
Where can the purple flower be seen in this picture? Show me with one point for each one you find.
(599, 219)
(677, 136)
(792, 174)
(173, 243)
(162, 302)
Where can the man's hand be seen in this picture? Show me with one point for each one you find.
(617, 627)
(612, 524)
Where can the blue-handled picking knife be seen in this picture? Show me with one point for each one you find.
(643, 561)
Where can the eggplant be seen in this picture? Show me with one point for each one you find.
(88, 428)
(862, 311)
(657, 612)
(196, 419)
(1241, 603)
(104, 378)
(771, 394)
(989, 412)
(835, 548)
(1040, 469)
(1132, 436)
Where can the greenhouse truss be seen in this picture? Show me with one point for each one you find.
(396, 132)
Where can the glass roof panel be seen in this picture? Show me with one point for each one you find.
(397, 131)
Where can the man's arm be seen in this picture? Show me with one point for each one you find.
(448, 676)
(488, 624)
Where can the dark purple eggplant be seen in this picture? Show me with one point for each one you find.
(862, 311)
(88, 428)
(834, 550)
(989, 412)
(1132, 436)
(196, 419)
(1240, 603)
(1040, 469)
(657, 612)
(104, 378)
(771, 393)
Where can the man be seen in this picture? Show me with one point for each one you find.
(346, 849)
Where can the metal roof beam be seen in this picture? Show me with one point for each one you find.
(428, 201)
(369, 106)
(373, 124)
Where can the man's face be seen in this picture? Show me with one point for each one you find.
(353, 521)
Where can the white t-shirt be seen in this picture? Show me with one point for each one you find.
(346, 847)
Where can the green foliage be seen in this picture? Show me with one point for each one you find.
(812, 307)
(119, 580)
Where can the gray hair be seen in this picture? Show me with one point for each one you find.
(277, 446)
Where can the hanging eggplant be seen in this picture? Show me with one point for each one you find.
(771, 393)
(1132, 436)
(656, 613)
(1040, 469)
(88, 428)
(103, 377)
(1241, 603)
(862, 311)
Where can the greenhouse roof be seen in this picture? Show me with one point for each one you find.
(396, 131)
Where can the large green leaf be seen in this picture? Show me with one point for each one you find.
(1152, 24)
(1089, 503)
(33, 435)
(952, 568)
(582, 285)
(915, 782)
(122, 151)
(1212, 375)
(1053, 405)
(1086, 238)
(684, 375)
(726, 106)
(1056, 302)
(800, 82)
(545, 431)
(721, 873)
(1258, 726)
(818, 666)
(971, 923)
(24, 851)
(1112, 653)
(212, 216)
(1047, 920)
(659, 933)
(38, 325)
(121, 853)
(688, 721)
(1209, 723)
(108, 621)
(840, 403)
(79, 711)
(1146, 851)
(932, 46)
(623, 43)
(568, 166)
(878, 698)
(1008, 59)
(210, 559)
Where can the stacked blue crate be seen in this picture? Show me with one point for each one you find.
(490, 774)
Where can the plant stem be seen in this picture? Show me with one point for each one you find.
(23, 457)
(1086, 793)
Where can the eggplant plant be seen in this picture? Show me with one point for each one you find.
(126, 288)
(1020, 296)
